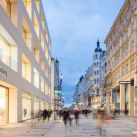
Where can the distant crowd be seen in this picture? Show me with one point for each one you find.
(68, 115)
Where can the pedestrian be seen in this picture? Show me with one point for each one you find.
(100, 121)
(39, 115)
(70, 117)
(94, 112)
(49, 114)
(86, 113)
(45, 114)
(76, 115)
(59, 114)
(65, 116)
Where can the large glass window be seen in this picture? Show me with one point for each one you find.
(3, 104)
(42, 84)
(42, 105)
(36, 24)
(26, 33)
(36, 52)
(26, 106)
(28, 6)
(36, 78)
(42, 63)
(8, 53)
(42, 41)
(37, 2)
(46, 88)
(26, 68)
(10, 7)
(36, 106)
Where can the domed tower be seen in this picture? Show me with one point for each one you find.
(98, 73)
(98, 49)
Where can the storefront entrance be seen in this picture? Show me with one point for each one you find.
(26, 106)
(4, 117)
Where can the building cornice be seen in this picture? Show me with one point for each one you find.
(120, 14)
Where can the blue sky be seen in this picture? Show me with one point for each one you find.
(75, 26)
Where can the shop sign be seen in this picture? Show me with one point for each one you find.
(57, 91)
(124, 82)
(2, 71)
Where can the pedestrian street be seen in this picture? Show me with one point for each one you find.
(122, 127)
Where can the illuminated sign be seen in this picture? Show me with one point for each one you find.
(57, 91)
(124, 82)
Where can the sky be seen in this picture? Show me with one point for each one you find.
(74, 27)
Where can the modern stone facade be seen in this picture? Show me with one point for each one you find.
(25, 60)
(121, 44)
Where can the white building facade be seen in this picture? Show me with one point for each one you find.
(98, 66)
(25, 60)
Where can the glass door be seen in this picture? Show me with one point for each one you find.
(3, 104)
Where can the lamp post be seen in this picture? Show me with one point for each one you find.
(61, 78)
(60, 88)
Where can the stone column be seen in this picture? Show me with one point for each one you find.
(122, 97)
(108, 103)
(131, 100)
(32, 106)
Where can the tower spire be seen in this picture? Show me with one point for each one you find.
(98, 49)
(98, 43)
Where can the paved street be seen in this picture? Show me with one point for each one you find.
(123, 127)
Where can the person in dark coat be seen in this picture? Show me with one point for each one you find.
(76, 115)
(86, 113)
(45, 114)
(49, 114)
(65, 116)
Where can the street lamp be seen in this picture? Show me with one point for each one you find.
(60, 88)
(61, 78)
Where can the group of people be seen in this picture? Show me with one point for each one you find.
(68, 115)
(45, 114)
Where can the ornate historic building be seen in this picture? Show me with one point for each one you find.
(98, 69)
(121, 69)
(90, 88)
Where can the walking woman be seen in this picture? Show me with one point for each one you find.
(100, 120)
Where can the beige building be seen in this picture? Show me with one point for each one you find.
(121, 76)
(25, 60)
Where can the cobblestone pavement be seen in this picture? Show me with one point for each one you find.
(122, 127)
